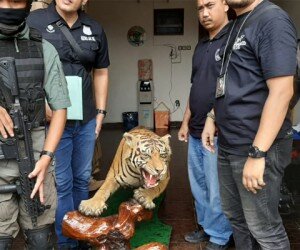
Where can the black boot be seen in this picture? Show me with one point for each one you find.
(39, 239)
(5, 243)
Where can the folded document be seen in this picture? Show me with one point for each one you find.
(75, 112)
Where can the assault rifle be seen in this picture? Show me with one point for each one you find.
(19, 147)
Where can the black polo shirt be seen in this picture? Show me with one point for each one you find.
(92, 40)
(205, 69)
(263, 50)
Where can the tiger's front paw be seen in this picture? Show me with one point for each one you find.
(143, 198)
(92, 207)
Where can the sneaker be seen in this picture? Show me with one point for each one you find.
(196, 236)
(214, 246)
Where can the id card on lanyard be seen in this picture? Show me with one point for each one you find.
(221, 80)
(220, 91)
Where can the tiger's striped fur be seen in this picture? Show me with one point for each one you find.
(141, 162)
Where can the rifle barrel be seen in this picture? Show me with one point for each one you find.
(9, 188)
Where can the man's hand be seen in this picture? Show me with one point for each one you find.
(39, 172)
(253, 174)
(6, 123)
(208, 135)
(183, 133)
(99, 121)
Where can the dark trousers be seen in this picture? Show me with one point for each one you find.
(254, 218)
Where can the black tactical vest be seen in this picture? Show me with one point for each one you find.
(29, 60)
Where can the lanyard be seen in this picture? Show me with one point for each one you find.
(227, 43)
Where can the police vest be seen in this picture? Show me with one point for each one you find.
(29, 61)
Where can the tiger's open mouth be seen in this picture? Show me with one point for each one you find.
(150, 180)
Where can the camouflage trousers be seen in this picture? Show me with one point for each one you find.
(12, 209)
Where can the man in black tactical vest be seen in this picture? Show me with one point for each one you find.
(30, 71)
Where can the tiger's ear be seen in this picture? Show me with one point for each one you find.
(166, 138)
(129, 139)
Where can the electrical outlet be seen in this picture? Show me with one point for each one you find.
(177, 103)
(184, 47)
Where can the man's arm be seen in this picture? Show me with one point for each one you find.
(208, 133)
(273, 115)
(184, 129)
(100, 79)
(58, 99)
(55, 131)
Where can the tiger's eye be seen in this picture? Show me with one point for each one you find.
(145, 156)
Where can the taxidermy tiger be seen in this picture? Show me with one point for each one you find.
(142, 162)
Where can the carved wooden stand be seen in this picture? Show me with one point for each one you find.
(112, 232)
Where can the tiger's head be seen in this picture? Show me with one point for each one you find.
(150, 155)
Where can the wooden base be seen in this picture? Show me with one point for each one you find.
(112, 232)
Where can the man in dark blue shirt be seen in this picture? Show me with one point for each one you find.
(202, 164)
(254, 89)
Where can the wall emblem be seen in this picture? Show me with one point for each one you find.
(136, 36)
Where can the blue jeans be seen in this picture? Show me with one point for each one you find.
(254, 217)
(203, 176)
(74, 156)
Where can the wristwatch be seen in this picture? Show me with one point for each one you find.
(101, 111)
(48, 153)
(255, 152)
